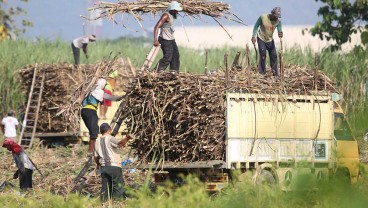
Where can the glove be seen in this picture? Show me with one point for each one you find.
(281, 34)
(16, 174)
(86, 56)
(253, 40)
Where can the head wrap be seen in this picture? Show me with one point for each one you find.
(98, 92)
(277, 12)
(14, 147)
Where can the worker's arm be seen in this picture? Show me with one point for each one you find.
(112, 97)
(279, 29)
(84, 47)
(164, 18)
(256, 26)
(19, 162)
(125, 140)
(97, 161)
(255, 29)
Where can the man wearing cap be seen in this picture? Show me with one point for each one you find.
(167, 39)
(9, 126)
(81, 42)
(263, 29)
(108, 160)
(23, 163)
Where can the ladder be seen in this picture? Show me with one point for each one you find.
(117, 120)
(150, 58)
(33, 107)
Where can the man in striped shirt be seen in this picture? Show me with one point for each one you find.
(108, 160)
(263, 29)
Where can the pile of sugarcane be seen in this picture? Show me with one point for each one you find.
(192, 8)
(181, 117)
(59, 80)
(64, 88)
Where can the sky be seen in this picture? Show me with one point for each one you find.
(61, 18)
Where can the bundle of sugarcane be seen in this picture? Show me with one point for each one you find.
(181, 117)
(192, 8)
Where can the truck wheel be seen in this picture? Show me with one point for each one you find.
(265, 177)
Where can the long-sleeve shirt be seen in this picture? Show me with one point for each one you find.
(266, 28)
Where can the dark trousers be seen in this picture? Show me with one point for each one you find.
(90, 119)
(25, 179)
(76, 54)
(263, 47)
(112, 183)
(171, 55)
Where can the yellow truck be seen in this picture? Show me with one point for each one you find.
(278, 137)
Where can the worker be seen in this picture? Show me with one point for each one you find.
(23, 163)
(107, 158)
(109, 89)
(166, 38)
(81, 42)
(9, 126)
(263, 29)
(89, 110)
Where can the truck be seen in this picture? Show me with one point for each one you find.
(277, 137)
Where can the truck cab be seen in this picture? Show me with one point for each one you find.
(346, 147)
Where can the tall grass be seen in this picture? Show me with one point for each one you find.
(348, 69)
(238, 194)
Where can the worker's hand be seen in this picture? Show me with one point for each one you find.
(281, 34)
(21, 171)
(87, 56)
(16, 174)
(129, 136)
(156, 43)
(253, 40)
(120, 98)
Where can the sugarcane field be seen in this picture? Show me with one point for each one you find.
(186, 103)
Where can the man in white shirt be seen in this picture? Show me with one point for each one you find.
(9, 126)
(108, 160)
(81, 42)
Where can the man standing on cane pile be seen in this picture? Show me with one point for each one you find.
(167, 39)
(89, 110)
(267, 24)
(107, 158)
(81, 43)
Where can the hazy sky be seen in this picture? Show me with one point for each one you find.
(61, 18)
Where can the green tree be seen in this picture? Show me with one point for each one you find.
(341, 19)
(8, 21)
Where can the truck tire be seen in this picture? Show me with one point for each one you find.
(265, 177)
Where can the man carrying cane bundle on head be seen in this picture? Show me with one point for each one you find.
(167, 39)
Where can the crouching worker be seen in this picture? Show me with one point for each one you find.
(108, 160)
(89, 110)
(23, 163)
